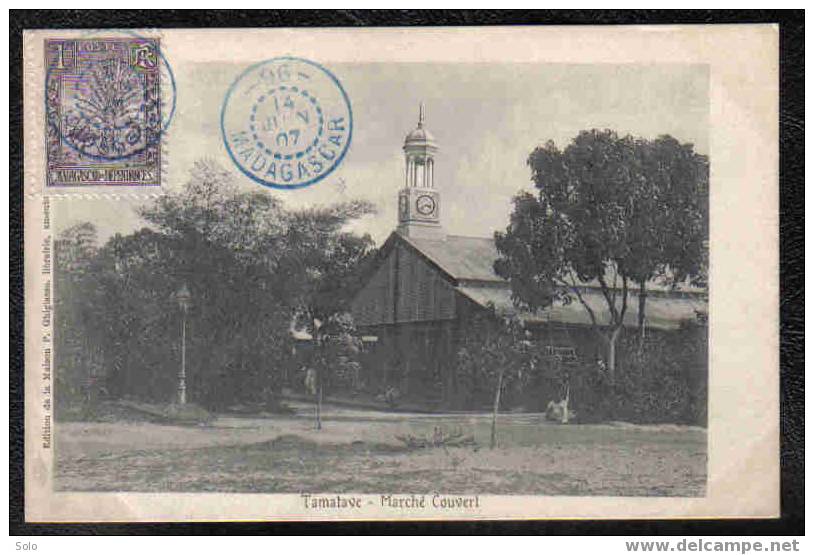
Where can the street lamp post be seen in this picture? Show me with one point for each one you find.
(183, 296)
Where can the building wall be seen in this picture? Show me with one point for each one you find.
(404, 289)
(418, 318)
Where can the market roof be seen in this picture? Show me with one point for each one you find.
(665, 313)
(472, 259)
(468, 264)
(463, 258)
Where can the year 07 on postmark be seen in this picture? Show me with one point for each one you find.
(286, 122)
(103, 112)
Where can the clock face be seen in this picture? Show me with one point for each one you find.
(425, 205)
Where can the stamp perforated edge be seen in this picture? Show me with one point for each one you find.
(35, 151)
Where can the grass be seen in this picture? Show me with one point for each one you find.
(359, 452)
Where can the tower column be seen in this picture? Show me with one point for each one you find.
(407, 173)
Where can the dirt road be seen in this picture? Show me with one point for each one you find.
(358, 451)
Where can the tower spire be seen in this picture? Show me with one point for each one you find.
(419, 210)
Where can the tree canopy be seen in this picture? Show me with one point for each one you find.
(252, 267)
(609, 212)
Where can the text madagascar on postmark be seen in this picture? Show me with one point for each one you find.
(287, 122)
(103, 112)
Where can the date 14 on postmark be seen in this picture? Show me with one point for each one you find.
(287, 122)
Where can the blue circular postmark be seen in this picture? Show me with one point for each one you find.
(286, 122)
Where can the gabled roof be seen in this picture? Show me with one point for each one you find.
(465, 258)
(467, 262)
(462, 258)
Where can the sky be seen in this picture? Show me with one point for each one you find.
(486, 119)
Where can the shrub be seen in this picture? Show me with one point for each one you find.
(663, 380)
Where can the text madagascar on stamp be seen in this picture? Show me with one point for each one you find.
(287, 122)
(103, 112)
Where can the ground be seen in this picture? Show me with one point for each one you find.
(358, 451)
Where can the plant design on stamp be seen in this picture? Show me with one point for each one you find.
(103, 112)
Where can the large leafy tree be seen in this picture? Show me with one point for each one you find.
(251, 267)
(610, 212)
(322, 263)
(224, 245)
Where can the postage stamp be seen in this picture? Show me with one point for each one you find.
(505, 301)
(103, 112)
(287, 122)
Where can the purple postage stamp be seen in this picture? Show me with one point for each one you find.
(103, 112)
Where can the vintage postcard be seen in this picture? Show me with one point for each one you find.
(403, 273)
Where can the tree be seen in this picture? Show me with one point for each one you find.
(225, 245)
(133, 314)
(255, 266)
(609, 211)
(252, 268)
(322, 264)
(493, 351)
(78, 361)
(337, 348)
(669, 216)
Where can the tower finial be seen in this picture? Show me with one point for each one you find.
(421, 114)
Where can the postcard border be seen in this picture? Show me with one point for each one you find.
(791, 235)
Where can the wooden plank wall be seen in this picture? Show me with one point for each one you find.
(405, 288)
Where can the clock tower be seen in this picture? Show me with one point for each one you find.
(419, 206)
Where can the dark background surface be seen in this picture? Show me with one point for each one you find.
(792, 273)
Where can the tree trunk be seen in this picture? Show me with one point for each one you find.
(612, 353)
(642, 306)
(493, 440)
(642, 302)
(564, 419)
(318, 370)
(319, 401)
